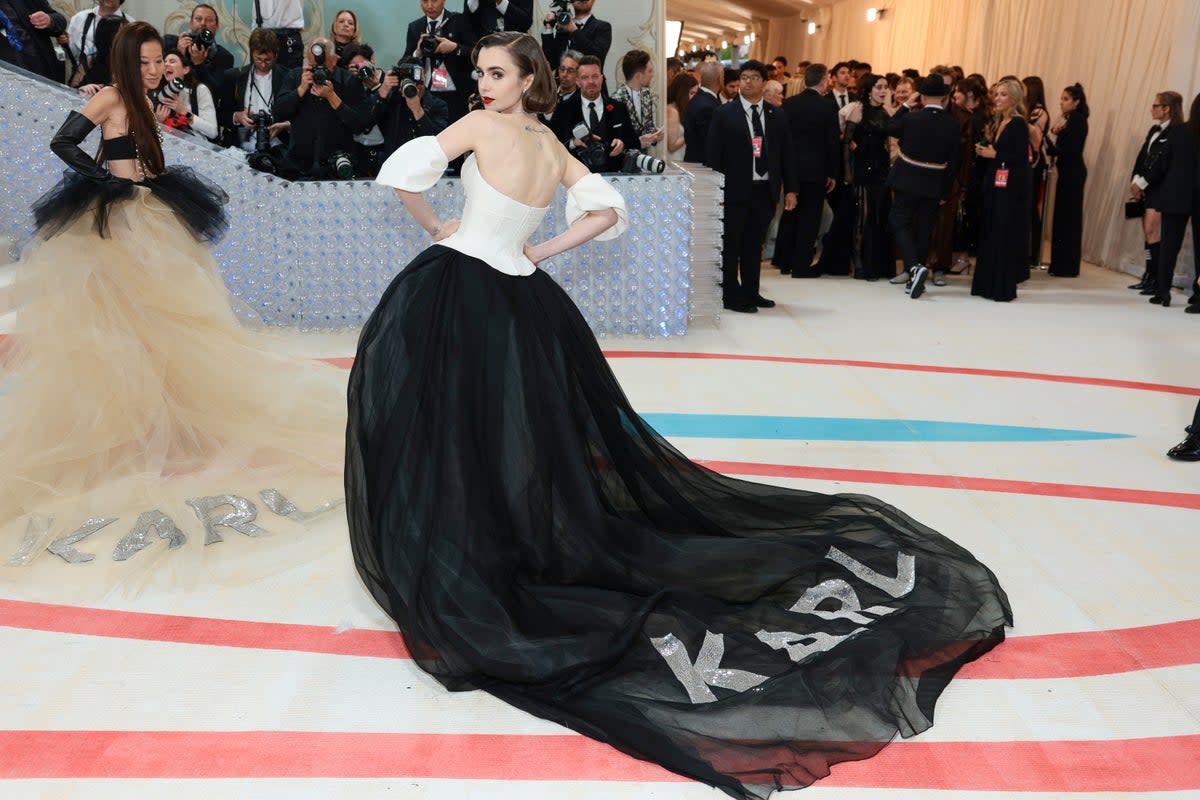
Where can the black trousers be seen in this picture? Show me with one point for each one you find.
(911, 221)
(745, 229)
(797, 239)
(1174, 226)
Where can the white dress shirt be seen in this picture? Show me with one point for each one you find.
(747, 107)
(287, 14)
(473, 6)
(76, 40)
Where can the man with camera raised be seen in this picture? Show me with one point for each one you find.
(596, 129)
(210, 61)
(571, 26)
(489, 16)
(408, 110)
(248, 93)
(326, 106)
(441, 41)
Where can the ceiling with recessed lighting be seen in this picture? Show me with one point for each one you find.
(727, 20)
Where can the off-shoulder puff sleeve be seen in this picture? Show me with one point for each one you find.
(593, 193)
(415, 166)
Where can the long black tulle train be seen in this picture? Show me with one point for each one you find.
(533, 538)
(199, 203)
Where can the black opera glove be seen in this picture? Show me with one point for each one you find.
(65, 145)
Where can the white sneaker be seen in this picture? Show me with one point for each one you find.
(918, 281)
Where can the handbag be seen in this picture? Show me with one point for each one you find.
(1135, 209)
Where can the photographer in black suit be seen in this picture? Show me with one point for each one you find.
(749, 144)
(697, 117)
(210, 61)
(489, 16)
(442, 41)
(594, 128)
(930, 149)
(326, 106)
(406, 109)
(583, 32)
(250, 89)
(812, 123)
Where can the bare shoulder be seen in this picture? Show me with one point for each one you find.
(103, 105)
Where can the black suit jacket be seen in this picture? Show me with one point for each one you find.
(232, 98)
(614, 124)
(318, 130)
(1170, 170)
(519, 16)
(458, 29)
(931, 135)
(813, 125)
(730, 152)
(37, 53)
(697, 118)
(831, 98)
(214, 68)
(593, 39)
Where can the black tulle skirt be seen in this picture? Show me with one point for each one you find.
(198, 202)
(535, 539)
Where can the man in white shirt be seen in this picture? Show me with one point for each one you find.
(839, 86)
(91, 65)
(286, 19)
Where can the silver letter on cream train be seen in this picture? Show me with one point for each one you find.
(138, 538)
(64, 547)
(241, 518)
(696, 678)
(286, 508)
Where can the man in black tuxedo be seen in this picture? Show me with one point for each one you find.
(812, 124)
(590, 116)
(489, 16)
(749, 144)
(927, 163)
(839, 94)
(448, 70)
(209, 64)
(247, 90)
(697, 117)
(584, 33)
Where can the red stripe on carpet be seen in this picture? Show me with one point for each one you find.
(983, 373)
(1056, 655)
(1130, 765)
(1071, 490)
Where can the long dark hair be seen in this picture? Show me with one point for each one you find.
(1035, 95)
(679, 93)
(126, 61)
(529, 59)
(1075, 91)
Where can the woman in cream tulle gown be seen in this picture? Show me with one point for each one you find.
(534, 538)
(130, 384)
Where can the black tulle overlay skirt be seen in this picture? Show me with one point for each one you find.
(198, 202)
(535, 539)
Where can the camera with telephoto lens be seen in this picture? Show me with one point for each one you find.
(203, 38)
(167, 92)
(411, 77)
(365, 72)
(262, 130)
(343, 166)
(593, 154)
(429, 45)
(636, 161)
(563, 12)
(320, 72)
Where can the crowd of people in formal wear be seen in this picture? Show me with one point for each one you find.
(838, 171)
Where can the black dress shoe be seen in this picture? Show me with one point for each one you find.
(1148, 289)
(763, 302)
(785, 271)
(741, 307)
(1138, 285)
(1163, 300)
(1192, 310)
(1187, 450)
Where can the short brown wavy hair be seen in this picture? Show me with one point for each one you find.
(530, 60)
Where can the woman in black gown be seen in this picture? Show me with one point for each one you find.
(1066, 148)
(1039, 124)
(1004, 238)
(865, 151)
(534, 538)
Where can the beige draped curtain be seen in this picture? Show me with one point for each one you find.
(1122, 51)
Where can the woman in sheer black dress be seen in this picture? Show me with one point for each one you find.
(867, 160)
(1066, 147)
(1004, 239)
(1039, 124)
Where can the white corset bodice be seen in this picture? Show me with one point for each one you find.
(493, 226)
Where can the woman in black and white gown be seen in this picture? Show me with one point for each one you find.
(534, 538)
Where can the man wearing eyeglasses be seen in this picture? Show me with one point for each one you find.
(584, 33)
